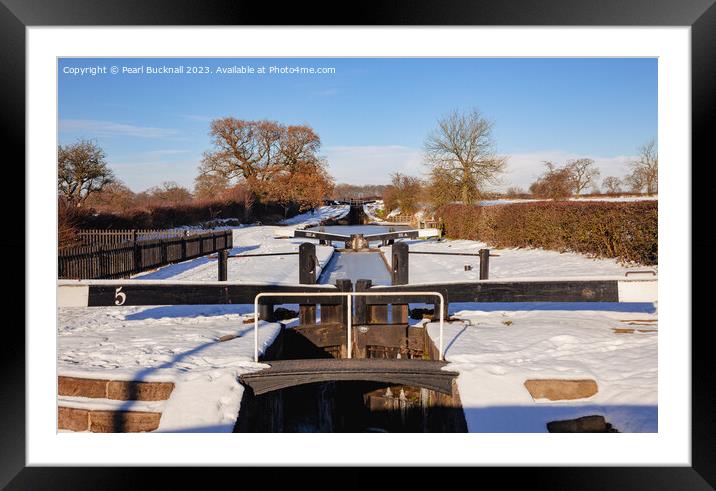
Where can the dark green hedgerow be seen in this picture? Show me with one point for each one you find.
(623, 230)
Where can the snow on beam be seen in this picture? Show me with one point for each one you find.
(72, 296)
(638, 291)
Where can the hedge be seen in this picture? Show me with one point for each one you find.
(163, 217)
(623, 230)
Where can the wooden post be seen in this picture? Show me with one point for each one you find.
(378, 314)
(338, 313)
(399, 261)
(222, 261)
(399, 276)
(102, 262)
(484, 264)
(265, 312)
(307, 264)
(345, 285)
(163, 249)
(307, 276)
(137, 253)
(361, 309)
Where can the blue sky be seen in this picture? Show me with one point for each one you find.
(372, 114)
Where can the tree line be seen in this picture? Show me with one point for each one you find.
(276, 163)
(577, 175)
(462, 165)
(248, 160)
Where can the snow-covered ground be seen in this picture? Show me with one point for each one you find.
(495, 352)
(177, 344)
(507, 263)
(371, 210)
(507, 201)
(322, 213)
(180, 343)
(262, 269)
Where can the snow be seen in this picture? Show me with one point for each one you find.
(495, 352)
(180, 343)
(491, 202)
(322, 213)
(508, 263)
(426, 233)
(262, 269)
(370, 209)
(177, 344)
(617, 198)
(355, 266)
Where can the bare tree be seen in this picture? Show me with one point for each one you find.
(82, 170)
(306, 185)
(515, 192)
(461, 158)
(242, 149)
(114, 197)
(584, 174)
(256, 151)
(555, 183)
(298, 146)
(612, 184)
(168, 193)
(645, 170)
(210, 186)
(404, 192)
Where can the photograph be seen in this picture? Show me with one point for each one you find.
(255, 237)
(425, 244)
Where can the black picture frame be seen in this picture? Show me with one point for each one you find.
(16, 15)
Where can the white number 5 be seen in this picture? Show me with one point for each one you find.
(119, 296)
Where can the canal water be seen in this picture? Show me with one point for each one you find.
(356, 266)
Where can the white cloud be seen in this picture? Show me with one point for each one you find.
(91, 128)
(372, 164)
(139, 175)
(524, 168)
(145, 169)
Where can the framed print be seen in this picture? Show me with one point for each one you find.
(437, 222)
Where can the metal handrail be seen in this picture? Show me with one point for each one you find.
(349, 324)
